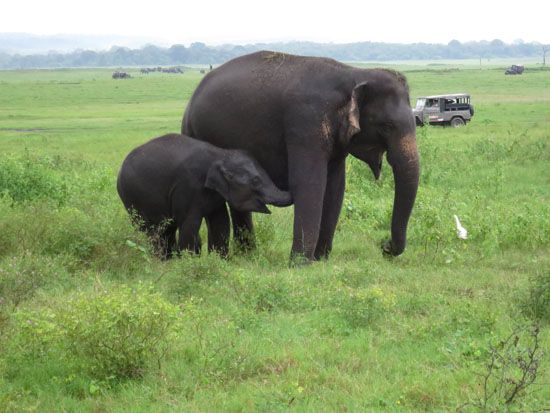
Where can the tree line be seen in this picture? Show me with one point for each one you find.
(200, 53)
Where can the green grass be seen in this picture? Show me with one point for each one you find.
(358, 332)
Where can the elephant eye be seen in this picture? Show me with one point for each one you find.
(256, 181)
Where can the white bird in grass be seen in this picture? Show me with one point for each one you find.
(460, 230)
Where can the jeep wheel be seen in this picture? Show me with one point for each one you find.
(457, 122)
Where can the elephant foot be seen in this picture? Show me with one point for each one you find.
(299, 260)
(389, 250)
(322, 254)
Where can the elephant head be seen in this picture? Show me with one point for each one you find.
(377, 119)
(244, 184)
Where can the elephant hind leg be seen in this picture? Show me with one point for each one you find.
(163, 239)
(332, 204)
(243, 230)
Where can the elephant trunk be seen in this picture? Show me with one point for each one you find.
(403, 157)
(274, 196)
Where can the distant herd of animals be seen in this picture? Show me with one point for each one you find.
(273, 128)
(147, 70)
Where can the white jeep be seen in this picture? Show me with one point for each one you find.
(452, 109)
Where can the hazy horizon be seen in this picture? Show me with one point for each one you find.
(32, 43)
(246, 22)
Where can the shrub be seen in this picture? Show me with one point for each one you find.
(73, 232)
(21, 276)
(29, 179)
(361, 307)
(118, 331)
(37, 334)
(512, 368)
(109, 334)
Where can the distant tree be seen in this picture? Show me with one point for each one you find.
(85, 58)
(202, 54)
(454, 49)
(152, 55)
(178, 54)
(498, 49)
(120, 56)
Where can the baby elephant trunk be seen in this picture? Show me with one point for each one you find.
(274, 196)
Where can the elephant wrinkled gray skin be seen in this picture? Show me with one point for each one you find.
(300, 117)
(173, 182)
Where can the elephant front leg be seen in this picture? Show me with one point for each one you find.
(189, 238)
(167, 242)
(332, 205)
(218, 231)
(307, 178)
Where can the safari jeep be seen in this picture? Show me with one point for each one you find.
(454, 110)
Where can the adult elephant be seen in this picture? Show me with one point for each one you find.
(300, 117)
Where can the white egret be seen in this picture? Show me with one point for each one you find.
(461, 232)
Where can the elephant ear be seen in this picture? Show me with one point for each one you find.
(352, 112)
(216, 179)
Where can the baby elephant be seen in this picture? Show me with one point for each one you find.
(174, 181)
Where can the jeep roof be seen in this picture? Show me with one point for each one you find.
(448, 95)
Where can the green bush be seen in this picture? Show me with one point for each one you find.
(110, 334)
(73, 232)
(84, 236)
(118, 332)
(37, 334)
(21, 276)
(64, 230)
(27, 179)
(361, 307)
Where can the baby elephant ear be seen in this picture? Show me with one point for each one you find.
(215, 179)
(351, 122)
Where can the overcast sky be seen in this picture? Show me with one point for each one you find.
(244, 21)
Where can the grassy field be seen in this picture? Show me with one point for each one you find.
(91, 321)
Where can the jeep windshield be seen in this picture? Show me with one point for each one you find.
(420, 103)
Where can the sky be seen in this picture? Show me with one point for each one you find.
(242, 21)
